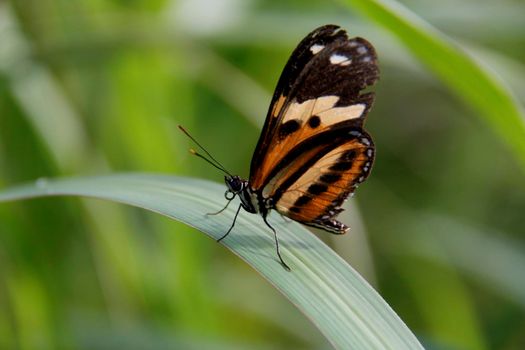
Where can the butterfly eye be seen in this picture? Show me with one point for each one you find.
(234, 183)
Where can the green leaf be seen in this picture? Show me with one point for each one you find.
(462, 73)
(325, 288)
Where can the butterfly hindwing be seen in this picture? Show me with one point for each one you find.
(315, 197)
(318, 92)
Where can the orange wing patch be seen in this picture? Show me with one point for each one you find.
(292, 168)
(315, 198)
(301, 121)
(276, 109)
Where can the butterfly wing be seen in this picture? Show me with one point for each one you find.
(316, 196)
(316, 115)
(301, 56)
(319, 89)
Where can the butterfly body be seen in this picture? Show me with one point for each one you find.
(250, 201)
(313, 151)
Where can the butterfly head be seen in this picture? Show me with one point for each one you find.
(235, 184)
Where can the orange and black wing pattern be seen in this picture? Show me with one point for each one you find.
(302, 160)
(316, 196)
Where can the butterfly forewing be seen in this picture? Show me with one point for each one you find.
(318, 94)
(301, 56)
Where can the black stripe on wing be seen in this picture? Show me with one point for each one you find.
(343, 68)
(321, 37)
(311, 45)
(326, 142)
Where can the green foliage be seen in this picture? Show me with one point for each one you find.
(96, 87)
(325, 288)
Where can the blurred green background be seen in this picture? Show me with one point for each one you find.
(98, 86)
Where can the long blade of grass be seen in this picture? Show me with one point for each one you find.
(462, 73)
(349, 312)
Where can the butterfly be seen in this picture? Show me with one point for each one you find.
(313, 151)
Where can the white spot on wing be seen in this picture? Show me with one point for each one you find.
(365, 141)
(324, 103)
(316, 48)
(362, 50)
(340, 60)
(324, 108)
(338, 114)
(299, 111)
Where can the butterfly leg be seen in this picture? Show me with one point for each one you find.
(233, 224)
(286, 267)
(223, 209)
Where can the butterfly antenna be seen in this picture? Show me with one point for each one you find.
(213, 161)
(195, 153)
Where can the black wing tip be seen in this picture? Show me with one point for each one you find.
(326, 28)
(326, 33)
(364, 55)
(334, 30)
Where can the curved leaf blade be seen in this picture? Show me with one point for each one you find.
(347, 310)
